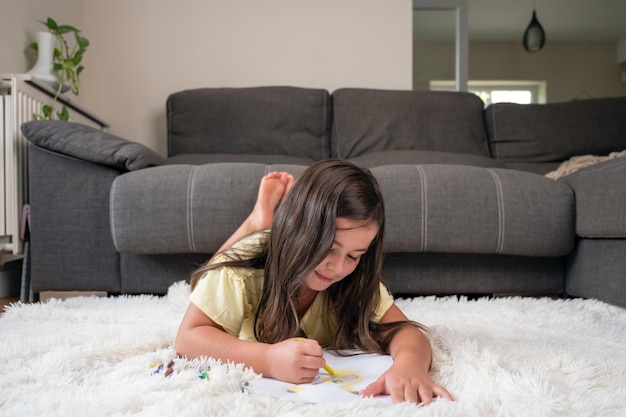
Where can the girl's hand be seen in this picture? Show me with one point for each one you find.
(407, 386)
(407, 379)
(296, 360)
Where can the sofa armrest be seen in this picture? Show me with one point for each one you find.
(600, 199)
(90, 144)
(71, 247)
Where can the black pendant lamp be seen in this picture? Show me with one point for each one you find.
(534, 36)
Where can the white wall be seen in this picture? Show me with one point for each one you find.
(144, 50)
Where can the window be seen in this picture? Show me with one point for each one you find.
(522, 92)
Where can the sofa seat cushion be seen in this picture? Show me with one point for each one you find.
(413, 157)
(430, 208)
(367, 120)
(464, 209)
(173, 209)
(211, 158)
(540, 168)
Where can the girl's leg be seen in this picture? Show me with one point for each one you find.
(271, 191)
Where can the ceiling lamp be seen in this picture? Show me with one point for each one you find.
(534, 36)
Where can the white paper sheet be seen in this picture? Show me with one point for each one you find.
(353, 373)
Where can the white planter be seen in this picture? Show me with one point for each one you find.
(43, 69)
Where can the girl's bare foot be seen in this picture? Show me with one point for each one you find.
(273, 188)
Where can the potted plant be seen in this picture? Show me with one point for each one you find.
(66, 63)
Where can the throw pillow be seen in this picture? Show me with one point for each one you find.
(90, 144)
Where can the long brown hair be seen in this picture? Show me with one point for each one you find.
(302, 234)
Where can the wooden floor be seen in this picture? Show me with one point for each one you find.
(6, 301)
(45, 295)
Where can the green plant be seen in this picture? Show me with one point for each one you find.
(67, 63)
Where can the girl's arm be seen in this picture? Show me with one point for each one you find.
(293, 360)
(407, 379)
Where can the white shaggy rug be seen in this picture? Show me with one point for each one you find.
(526, 357)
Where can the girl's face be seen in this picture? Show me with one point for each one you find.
(352, 240)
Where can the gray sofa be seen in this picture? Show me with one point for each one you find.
(469, 210)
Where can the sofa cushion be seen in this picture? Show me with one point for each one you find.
(87, 143)
(260, 120)
(366, 120)
(600, 199)
(430, 208)
(174, 209)
(211, 158)
(412, 157)
(464, 209)
(540, 168)
(556, 131)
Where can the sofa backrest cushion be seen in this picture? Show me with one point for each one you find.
(556, 131)
(258, 120)
(367, 120)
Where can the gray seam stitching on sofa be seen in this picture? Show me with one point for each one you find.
(190, 235)
(495, 134)
(501, 218)
(111, 210)
(424, 209)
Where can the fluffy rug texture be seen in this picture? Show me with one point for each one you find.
(94, 356)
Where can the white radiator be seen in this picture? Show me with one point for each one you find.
(21, 99)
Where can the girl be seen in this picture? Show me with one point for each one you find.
(274, 298)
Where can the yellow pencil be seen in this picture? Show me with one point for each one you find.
(329, 370)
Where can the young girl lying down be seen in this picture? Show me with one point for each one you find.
(303, 274)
